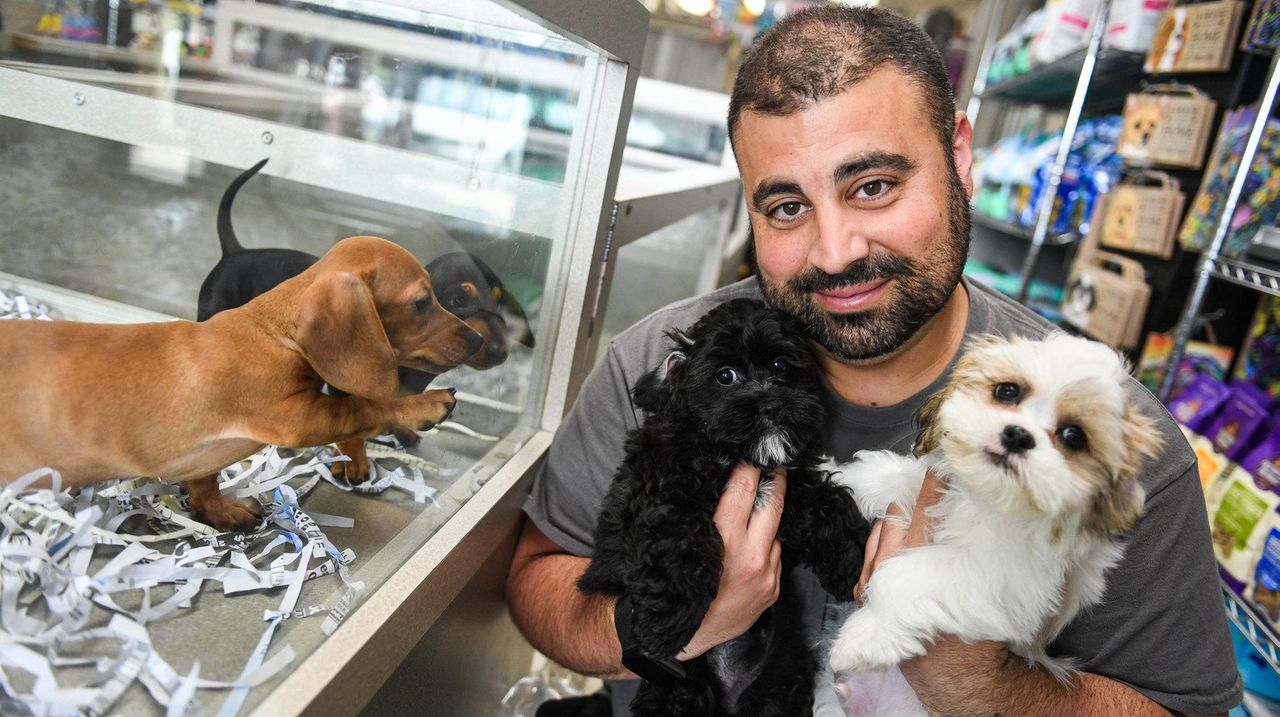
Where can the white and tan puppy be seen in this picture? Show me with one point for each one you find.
(1040, 447)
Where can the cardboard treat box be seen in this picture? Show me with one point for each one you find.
(1196, 38)
(1143, 218)
(1166, 125)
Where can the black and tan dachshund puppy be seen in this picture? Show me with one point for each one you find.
(740, 385)
(464, 285)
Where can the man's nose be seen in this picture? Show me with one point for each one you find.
(839, 241)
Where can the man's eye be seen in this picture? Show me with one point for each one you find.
(788, 211)
(874, 188)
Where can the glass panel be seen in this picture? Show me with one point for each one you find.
(455, 131)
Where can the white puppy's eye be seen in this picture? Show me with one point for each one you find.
(1072, 437)
(726, 376)
(1008, 392)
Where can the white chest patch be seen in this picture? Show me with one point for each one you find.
(773, 449)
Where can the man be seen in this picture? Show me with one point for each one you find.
(855, 166)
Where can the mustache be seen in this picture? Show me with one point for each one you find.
(863, 271)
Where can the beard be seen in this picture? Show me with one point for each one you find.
(920, 288)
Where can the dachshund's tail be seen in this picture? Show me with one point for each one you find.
(227, 235)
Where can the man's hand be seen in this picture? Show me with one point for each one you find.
(751, 578)
(894, 533)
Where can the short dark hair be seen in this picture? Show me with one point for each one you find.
(822, 51)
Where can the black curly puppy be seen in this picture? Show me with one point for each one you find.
(741, 385)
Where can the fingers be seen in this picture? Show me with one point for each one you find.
(868, 561)
(733, 512)
(762, 524)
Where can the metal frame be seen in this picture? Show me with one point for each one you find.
(1260, 637)
(1045, 217)
(1211, 263)
(994, 23)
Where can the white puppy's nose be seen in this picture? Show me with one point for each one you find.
(1017, 439)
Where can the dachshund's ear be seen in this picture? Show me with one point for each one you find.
(655, 390)
(518, 328)
(929, 428)
(342, 338)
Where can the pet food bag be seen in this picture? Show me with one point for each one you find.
(1244, 515)
(1263, 459)
(1242, 416)
(1260, 356)
(1197, 405)
(1131, 24)
(1166, 125)
(1106, 297)
(1064, 29)
(1263, 590)
(1195, 38)
(1198, 357)
(1143, 217)
(1260, 201)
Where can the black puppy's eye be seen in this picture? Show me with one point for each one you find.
(780, 364)
(1008, 392)
(726, 376)
(458, 301)
(1073, 437)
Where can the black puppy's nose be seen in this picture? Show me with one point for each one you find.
(1016, 439)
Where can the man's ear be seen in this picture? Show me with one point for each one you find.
(656, 389)
(962, 151)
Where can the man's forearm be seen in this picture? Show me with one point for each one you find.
(574, 629)
(959, 680)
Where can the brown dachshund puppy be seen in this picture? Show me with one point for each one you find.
(180, 400)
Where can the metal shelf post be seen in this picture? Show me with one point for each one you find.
(1045, 216)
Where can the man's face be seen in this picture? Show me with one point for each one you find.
(861, 221)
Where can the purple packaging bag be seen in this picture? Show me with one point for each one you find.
(1197, 404)
(1240, 418)
(1263, 460)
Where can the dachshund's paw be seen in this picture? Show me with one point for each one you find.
(227, 514)
(431, 408)
(354, 471)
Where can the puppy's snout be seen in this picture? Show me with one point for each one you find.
(473, 340)
(1017, 439)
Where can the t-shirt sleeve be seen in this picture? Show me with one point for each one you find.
(587, 449)
(1161, 627)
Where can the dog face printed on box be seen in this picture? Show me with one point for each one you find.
(1171, 35)
(1141, 120)
(1122, 218)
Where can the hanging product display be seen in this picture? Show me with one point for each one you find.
(1167, 125)
(1196, 38)
(1143, 217)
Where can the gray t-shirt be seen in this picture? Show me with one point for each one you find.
(1161, 628)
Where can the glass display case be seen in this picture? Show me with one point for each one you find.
(489, 127)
